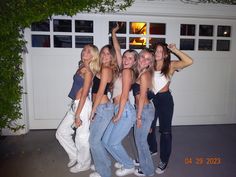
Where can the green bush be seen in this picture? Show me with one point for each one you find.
(15, 15)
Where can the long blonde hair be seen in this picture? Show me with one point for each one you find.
(94, 64)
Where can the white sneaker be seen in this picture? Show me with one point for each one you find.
(153, 153)
(92, 167)
(94, 174)
(118, 165)
(71, 163)
(161, 168)
(78, 168)
(138, 172)
(136, 162)
(124, 171)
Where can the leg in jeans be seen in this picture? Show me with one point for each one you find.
(102, 162)
(145, 159)
(115, 134)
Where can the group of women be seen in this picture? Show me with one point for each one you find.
(103, 122)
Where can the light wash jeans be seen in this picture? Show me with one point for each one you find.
(115, 133)
(78, 149)
(145, 159)
(103, 116)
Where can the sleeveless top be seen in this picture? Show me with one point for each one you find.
(136, 89)
(78, 82)
(117, 89)
(159, 81)
(96, 83)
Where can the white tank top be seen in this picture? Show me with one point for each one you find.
(159, 81)
(117, 88)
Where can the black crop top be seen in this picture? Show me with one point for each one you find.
(136, 89)
(96, 83)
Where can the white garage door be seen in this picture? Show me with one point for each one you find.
(54, 50)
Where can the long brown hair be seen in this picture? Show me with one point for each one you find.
(166, 60)
(113, 65)
(134, 66)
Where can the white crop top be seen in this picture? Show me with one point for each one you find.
(117, 88)
(159, 81)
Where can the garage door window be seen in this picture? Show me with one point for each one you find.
(62, 33)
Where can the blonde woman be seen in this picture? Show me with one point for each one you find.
(124, 117)
(145, 112)
(102, 111)
(78, 115)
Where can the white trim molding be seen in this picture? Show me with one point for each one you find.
(177, 8)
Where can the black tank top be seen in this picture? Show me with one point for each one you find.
(136, 89)
(96, 83)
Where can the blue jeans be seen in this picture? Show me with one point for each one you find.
(145, 159)
(115, 133)
(103, 116)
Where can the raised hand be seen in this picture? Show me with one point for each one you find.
(171, 46)
(117, 27)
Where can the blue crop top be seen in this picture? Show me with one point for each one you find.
(136, 89)
(96, 83)
(78, 82)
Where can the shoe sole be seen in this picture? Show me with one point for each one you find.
(79, 170)
(131, 172)
(160, 172)
(153, 154)
(69, 165)
(137, 174)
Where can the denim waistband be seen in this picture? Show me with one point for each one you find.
(128, 105)
(103, 105)
(149, 105)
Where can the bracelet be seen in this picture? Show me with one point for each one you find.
(139, 117)
(77, 116)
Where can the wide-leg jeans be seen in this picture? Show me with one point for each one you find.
(79, 149)
(102, 118)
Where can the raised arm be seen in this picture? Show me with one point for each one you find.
(126, 84)
(86, 86)
(116, 44)
(184, 59)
